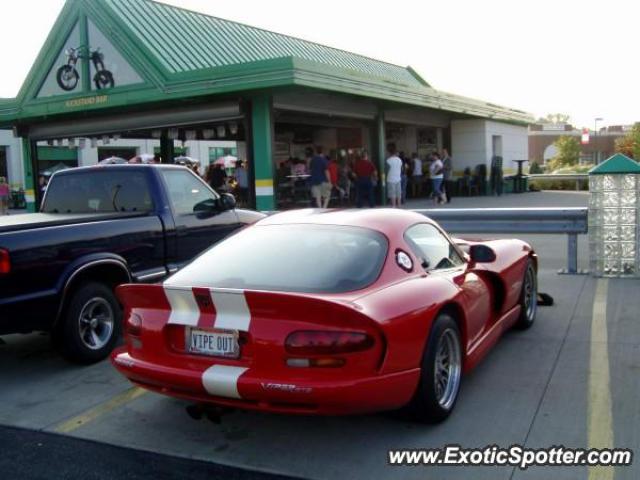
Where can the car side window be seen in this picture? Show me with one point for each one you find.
(185, 190)
(432, 247)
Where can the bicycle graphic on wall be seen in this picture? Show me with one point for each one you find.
(68, 76)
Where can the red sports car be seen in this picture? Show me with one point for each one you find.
(329, 312)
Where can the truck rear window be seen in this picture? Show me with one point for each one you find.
(98, 191)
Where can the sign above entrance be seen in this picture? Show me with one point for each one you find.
(86, 101)
(97, 57)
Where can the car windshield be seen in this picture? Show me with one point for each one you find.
(297, 258)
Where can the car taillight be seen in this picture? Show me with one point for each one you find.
(134, 324)
(5, 261)
(318, 342)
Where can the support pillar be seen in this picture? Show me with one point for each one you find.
(167, 152)
(262, 151)
(380, 153)
(30, 183)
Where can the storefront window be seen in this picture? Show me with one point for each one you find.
(217, 152)
(177, 151)
(52, 159)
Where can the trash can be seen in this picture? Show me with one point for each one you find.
(614, 200)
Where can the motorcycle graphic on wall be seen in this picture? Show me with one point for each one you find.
(68, 76)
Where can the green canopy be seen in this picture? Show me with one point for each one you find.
(618, 163)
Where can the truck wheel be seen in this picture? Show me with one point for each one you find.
(90, 325)
(441, 374)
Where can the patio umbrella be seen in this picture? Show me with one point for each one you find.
(112, 161)
(226, 161)
(142, 158)
(182, 160)
(57, 167)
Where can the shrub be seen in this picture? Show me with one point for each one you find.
(535, 168)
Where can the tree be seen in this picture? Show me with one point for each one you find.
(630, 143)
(568, 152)
(555, 119)
(534, 167)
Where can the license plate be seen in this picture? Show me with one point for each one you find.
(216, 343)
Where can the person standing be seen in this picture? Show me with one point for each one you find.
(320, 179)
(4, 196)
(216, 177)
(436, 172)
(496, 175)
(406, 171)
(344, 181)
(365, 173)
(243, 182)
(332, 166)
(394, 176)
(416, 176)
(447, 173)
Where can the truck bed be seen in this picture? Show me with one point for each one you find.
(30, 221)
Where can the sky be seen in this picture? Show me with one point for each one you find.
(542, 56)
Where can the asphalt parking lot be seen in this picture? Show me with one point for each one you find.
(572, 380)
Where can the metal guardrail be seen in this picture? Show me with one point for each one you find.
(569, 221)
(577, 177)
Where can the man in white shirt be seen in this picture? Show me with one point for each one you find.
(436, 172)
(416, 176)
(394, 176)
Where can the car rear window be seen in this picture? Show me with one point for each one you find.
(296, 258)
(98, 191)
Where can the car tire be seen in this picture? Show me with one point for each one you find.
(90, 324)
(442, 362)
(528, 298)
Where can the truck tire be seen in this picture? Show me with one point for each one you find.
(90, 325)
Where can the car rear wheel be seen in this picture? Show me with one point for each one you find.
(528, 298)
(90, 325)
(441, 373)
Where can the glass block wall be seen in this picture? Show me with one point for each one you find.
(613, 225)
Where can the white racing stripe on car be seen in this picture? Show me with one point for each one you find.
(232, 311)
(222, 380)
(184, 309)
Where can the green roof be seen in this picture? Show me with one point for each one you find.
(184, 54)
(618, 163)
(185, 41)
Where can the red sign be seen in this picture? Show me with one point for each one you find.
(585, 136)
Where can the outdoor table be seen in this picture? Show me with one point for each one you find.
(517, 179)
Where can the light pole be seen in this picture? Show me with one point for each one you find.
(595, 140)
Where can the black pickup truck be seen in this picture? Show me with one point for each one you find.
(100, 227)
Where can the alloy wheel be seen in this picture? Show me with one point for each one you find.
(96, 323)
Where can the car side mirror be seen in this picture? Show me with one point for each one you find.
(464, 246)
(481, 254)
(206, 207)
(227, 201)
